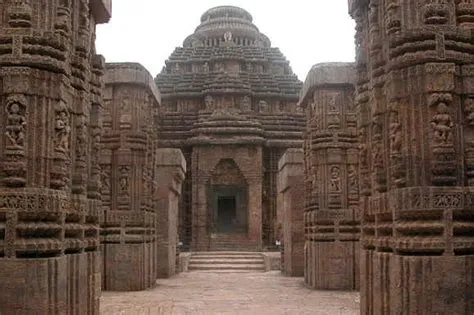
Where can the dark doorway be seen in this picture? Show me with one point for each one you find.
(226, 213)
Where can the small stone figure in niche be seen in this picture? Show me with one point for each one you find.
(395, 129)
(62, 128)
(123, 182)
(335, 179)
(442, 124)
(209, 102)
(205, 67)
(16, 123)
(263, 107)
(227, 37)
(245, 104)
(105, 178)
(352, 177)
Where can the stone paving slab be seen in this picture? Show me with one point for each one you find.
(205, 293)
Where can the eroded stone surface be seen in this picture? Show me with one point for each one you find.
(129, 178)
(416, 148)
(332, 219)
(290, 211)
(51, 86)
(170, 167)
(230, 293)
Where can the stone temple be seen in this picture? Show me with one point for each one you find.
(229, 103)
(361, 179)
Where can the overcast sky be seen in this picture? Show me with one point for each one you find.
(306, 31)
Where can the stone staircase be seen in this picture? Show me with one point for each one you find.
(227, 262)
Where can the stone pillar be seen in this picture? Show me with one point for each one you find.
(49, 241)
(170, 168)
(332, 214)
(291, 208)
(128, 178)
(416, 115)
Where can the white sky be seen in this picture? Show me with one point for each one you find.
(306, 31)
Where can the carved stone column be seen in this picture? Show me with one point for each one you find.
(46, 67)
(332, 213)
(127, 178)
(415, 118)
(170, 167)
(291, 207)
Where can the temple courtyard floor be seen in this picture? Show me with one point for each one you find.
(200, 292)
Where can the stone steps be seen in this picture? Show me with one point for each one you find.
(225, 261)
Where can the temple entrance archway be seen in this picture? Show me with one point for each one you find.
(228, 199)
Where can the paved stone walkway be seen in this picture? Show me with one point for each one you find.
(230, 293)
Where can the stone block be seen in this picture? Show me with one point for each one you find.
(291, 208)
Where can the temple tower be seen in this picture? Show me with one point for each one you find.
(229, 102)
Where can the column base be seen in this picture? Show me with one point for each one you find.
(416, 284)
(129, 267)
(333, 265)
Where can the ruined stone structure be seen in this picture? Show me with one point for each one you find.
(229, 102)
(290, 211)
(170, 167)
(50, 91)
(332, 222)
(129, 179)
(415, 96)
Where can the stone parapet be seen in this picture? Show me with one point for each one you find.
(170, 167)
(290, 211)
(128, 178)
(331, 182)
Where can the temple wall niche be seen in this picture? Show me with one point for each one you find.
(129, 178)
(415, 158)
(50, 87)
(331, 177)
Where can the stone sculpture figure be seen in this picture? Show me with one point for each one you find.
(335, 179)
(245, 104)
(442, 125)
(263, 106)
(469, 110)
(209, 102)
(16, 123)
(62, 128)
(395, 130)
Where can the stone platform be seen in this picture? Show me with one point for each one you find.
(230, 293)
